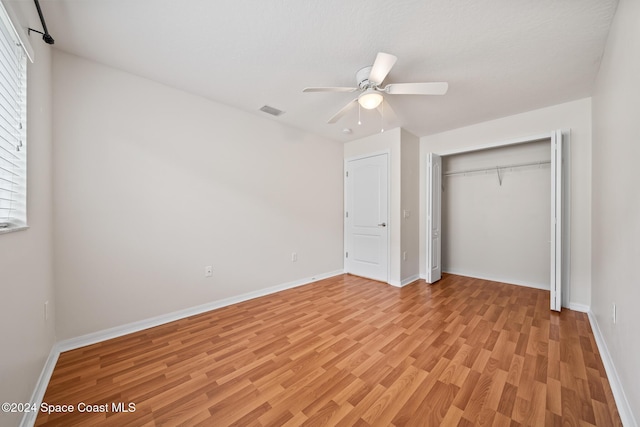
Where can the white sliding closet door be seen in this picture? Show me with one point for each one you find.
(434, 218)
(556, 220)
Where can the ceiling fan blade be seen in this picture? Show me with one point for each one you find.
(330, 89)
(434, 88)
(343, 111)
(381, 67)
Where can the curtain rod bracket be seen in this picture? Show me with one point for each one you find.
(45, 35)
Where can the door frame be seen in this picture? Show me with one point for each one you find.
(390, 224)
(565, 237)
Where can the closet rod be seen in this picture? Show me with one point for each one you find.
(492, 169)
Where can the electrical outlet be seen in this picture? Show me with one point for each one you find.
(404, 255)
(208, 271)
(614, 314)
(46, 310)
(294, 256)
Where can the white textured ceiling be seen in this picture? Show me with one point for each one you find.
(500, 57)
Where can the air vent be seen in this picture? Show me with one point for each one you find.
(271, 110)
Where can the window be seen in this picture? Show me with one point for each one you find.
(13, 150)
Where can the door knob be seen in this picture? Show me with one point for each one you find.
(384, 224)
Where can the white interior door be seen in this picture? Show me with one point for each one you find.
(366, 217)
(556, 220)
(434, 218)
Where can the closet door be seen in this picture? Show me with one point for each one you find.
(434, 218)
(556, 220)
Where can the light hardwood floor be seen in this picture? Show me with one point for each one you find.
(348, 351)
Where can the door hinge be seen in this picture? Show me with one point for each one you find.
(346, 214)
(347, 173)
(347, 255)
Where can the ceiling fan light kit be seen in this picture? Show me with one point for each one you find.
(369, 83)
(370, 99)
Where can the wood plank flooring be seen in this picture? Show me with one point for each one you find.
(348, 351)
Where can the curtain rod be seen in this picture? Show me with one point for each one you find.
(45, 35)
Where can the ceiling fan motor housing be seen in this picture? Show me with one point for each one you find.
(362, 78)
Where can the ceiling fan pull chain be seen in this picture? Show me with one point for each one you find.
(382, 117)
(359, 121)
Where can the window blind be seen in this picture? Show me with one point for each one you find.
(13, 152)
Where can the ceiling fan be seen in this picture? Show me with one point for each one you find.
(369, 83)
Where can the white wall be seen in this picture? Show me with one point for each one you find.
(574, 115)
(616, 200)
(403, 188)
(26, 276)
(153, 184)
(498, 231)
(410, 202)
(381, 142)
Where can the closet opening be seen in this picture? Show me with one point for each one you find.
(495, 213)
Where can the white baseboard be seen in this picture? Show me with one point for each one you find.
(404, 282)
(410, 280)
(29, 418)
(572, 305)
(579, 307)
(624, 409)
(118, 331)
(508, 280)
